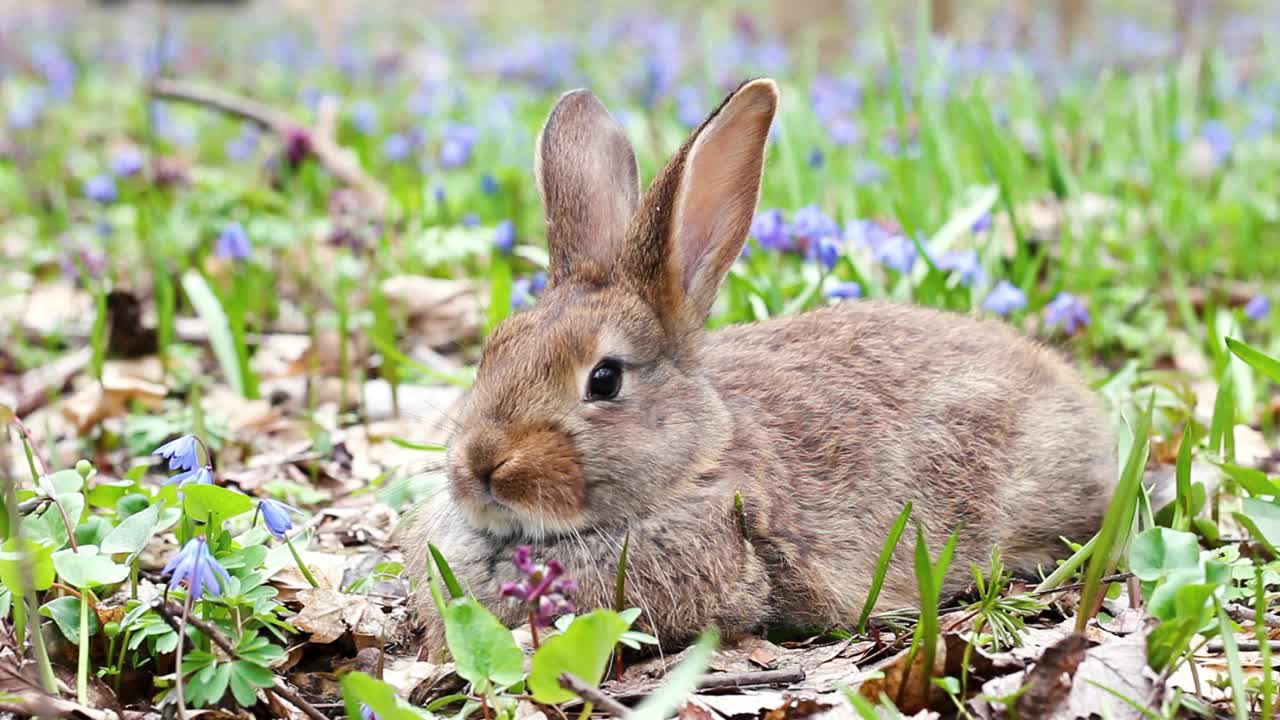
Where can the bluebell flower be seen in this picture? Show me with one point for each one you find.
(233, 243)
(276, 516)
(816, 158)
(538, 282)
(504, 236)
(845, 290)
(27, 108)
(242, 146)
(826, 250)
(1218, 138)
(1005, 298)
(456, 146)
(488, 184)
(364, 116)
(396, 147)
(1258, 307)
(198, 568)
(965, 265)
(843, 131)
(367, 713)
(197, 476)
(1066, 311)
(126, 162)
(895, 252)
(689, 109)
(982, 224)
(470, 220)
(811, 223)
(522, 294)
(182, 453)
(100, 188)
(438, 193)
(868, 173)
(769, 228)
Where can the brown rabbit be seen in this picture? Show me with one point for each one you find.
(607, 410)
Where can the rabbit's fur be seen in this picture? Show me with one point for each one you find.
(827, 423)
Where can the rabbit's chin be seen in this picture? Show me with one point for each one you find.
(503, 521)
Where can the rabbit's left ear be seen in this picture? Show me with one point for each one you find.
(695, 217)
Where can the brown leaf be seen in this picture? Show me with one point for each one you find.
(441, 312)
(903, 683)
(120, 388)
(694, 711)
(797, 709)
(328, 614)
(1049, 681)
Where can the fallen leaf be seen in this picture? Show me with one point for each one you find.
(328, 614)
(94, 402)
(440, 312)
(1049, 682)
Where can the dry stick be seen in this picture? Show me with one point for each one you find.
(1240, 613)
(595, 696)
(171, 612)
(785, 676)
(341, 163)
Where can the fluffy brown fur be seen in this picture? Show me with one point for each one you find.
(827, 423)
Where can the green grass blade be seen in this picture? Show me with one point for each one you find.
(446, 572)
(1183, 510)
(882, 567)
(1235, 670)
(210, 310)
(1263, 363)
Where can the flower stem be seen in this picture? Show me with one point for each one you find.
(82, 667)
(302, 567)
(586, 711)
(533, 627)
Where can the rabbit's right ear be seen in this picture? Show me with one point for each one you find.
(586, 173)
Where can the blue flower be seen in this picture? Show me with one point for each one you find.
(812, 224)
(182, 453)
(101, 188)
(845, 291)
(826, 250)
(689, 109)
(470, 220)
(843, 131)
(27, 108)
(198, 568)
(770, 229)
(367, 713)
(488, 184)
(242, 146)
(1005, 298)
(895, 252)
(538, 283)
(196, 476)
(276, 516)
(364, 115)
(233, 243)
(868, 173)
(396, 147)
(1066, 311)
(1258, 307)
(504, 236)
(982, 224)
(456, 146)
(525, 289)
(816, 158)
(1218, 138)
(964, 263)
(126, 162)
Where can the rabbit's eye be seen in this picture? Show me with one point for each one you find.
(605, 380)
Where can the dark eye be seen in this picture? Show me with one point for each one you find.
(605, 380)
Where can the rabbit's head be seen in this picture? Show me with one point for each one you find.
(588, 407)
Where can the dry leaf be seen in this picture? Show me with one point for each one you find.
(93, 403)
(441, 312)
(328, 614)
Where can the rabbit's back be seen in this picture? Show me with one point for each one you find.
(847, 413)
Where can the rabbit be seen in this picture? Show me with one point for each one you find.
(608, 412)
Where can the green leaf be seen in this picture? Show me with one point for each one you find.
(88, 568)
(1263, 363)
(201, 501)
(92, 529)
(221, 339)
(1235, 670)
(583, 650)
(132, 535)
(882, 566)
(359, 689)
(482, 647)
(49, 527)
(63, 481)
(39, 557)
(65, 612)
(1263, 521)
(1251, 479)
(1157, 552)
(446, 573)
(680, 682)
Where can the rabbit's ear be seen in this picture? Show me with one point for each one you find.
(586, 173)
(696, 215)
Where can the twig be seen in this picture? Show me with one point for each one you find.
(170, 612)
(341, 163)
(784, 676)
(1240, 613)
(1249, 645)
(595, 696)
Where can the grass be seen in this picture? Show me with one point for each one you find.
(1128, 188)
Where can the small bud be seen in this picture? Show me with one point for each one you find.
(112, 629)
(85, 468)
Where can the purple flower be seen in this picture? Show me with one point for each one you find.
(845, 291)
(470, 220)
(1005, 298)
(525, 289)
(126, 162)
(843, 131)
(504, 236)
(456, 146)
(982, 224)
(27, 108)
(367, 713)
(895, 252)
(816, 158)
(689, 107)
(364, 116)
(826, 250)
(770, 229)
(1219, 139)
(182, 453)
(1258, 307)
(198, 568)
(396, 147)
(297, 146)
(276, 516)
(811, 224)
(101, 188)
(868, 173)
(488, 184)
(543, 587)
(242, 146)
(965, 265)
(196, 476)
(1066, 311)
(233, 243)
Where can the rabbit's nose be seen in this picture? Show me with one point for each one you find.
(484, 474)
